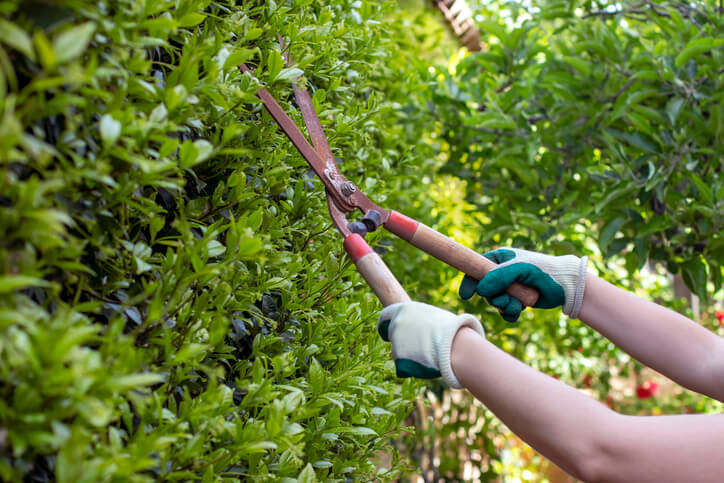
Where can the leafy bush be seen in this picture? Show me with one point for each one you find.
(173, 301)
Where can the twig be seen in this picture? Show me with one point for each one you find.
(622, 90)
(103, 299)
(613, 13)
(309, 238)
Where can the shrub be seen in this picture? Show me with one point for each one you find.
(174, 303)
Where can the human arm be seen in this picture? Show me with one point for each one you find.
(658, 337)
(582, 436)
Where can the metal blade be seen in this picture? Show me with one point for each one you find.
(344, 193)
(340, 221)
(314, 127)
(291, 130)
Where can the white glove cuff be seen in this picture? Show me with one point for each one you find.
(581, 286)
(573, 279)
(445, 347)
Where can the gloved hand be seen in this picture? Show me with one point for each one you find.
(560, 281)
(422, 337)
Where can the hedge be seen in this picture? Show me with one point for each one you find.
(174, 303)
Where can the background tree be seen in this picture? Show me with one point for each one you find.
(585, 117)
(582, 127)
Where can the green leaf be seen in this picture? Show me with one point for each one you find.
(641, 246)
(637, 139)
(44, 49)
(158, 114)
(10, 283)
(133, 381)
(258, 447)
(238, 56)
(307, 475)
(73, 42)
(16, 38)
(249, 247)
(289, 74)
(204, 148)
(191, 19)
(613, 196)
(494, 120)
(696, 47)
(215, 249)
(110, 129)
(253, 34)
(255, 219)
(695, 276)
(578, 63)
(316, 376)
(702, 187)
(608, 233)
(673, 107)
(356, 430)
(381, 412)
(274, 64)
(193, 153)
(169, 146)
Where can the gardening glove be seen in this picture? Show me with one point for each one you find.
(559, 280)
(422, 337)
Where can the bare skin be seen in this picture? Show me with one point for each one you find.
(584, 437)
(656, 336)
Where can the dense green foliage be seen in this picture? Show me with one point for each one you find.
(586, 115)
(173, 302)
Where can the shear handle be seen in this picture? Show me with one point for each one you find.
(453, 253)
(374, 271)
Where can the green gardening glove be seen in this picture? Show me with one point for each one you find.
(422, 337)
(559, 280)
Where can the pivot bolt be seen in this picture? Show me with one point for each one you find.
(348, 188)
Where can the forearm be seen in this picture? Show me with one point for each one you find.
(656, 336)
(582, 436)
(562, 423)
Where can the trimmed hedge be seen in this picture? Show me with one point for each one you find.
(174, 303)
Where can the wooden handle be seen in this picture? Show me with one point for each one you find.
(375, 272)
(453, 253)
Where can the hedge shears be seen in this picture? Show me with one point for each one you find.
(343, 197)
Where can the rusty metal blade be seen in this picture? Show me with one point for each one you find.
(311, 120)
(337, 215)
(314, 127)
(293, 132)
(344, 194)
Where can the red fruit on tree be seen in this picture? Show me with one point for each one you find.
(719, 314)
(647, 389)
(587, 380)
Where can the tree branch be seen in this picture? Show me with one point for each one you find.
(495, 132)
(621, 90)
